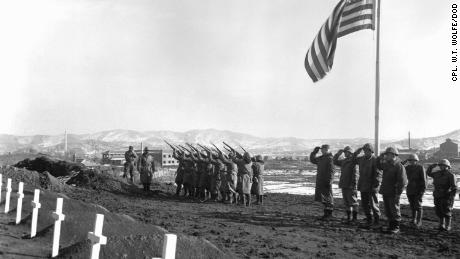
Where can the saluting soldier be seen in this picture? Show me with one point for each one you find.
(324, 178)
(445, 188)
(394, 180)
(370, 178)
(348, 182)
(416, 187)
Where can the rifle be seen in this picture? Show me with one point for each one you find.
(171, 146)
(218, 150)
(205, 148)
(192, 147)
(226, 148)
(233, 150)
(185, 149)
(243, 148)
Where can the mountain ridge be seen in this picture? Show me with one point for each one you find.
(120, 138)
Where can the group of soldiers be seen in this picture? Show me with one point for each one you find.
(145, 166)
(388, 175)
(208, 174)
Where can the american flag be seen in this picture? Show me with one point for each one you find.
(348, 16)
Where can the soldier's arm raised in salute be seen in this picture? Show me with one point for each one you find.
(313, 158)
(336, 160)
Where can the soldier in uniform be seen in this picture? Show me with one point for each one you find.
(245, 178)
(179, 180)
(257, 179)
(231, 177)
(348, 182)
(445, 188)
(394, 180)
(216, 180)
(146, 168)
(416, 186)
(370, 178)
(130, 158)
(189, 167)
(324, 178)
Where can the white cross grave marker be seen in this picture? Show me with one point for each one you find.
(59, 217)
(96, 237)
(169, 247)
(19, 206)
(8, 195)
(1, 183)
(35, 205)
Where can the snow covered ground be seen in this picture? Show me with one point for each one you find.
(302, 182)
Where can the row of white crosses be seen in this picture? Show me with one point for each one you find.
(96, 237)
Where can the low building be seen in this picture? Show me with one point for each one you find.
(448, 149)
(159, 156)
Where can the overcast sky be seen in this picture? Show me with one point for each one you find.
(89, 65)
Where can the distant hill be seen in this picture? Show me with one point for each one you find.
(428, 143)
(120, 139)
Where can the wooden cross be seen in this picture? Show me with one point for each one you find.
(1, 183)
(35, 205)
(169, 247)
(58, 217)
(96, 237)
(8, 196)
(19, 206)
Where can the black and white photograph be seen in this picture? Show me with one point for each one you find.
(162, 129)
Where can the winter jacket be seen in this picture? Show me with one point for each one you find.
(348, 173)
(416, 177)
(370, 177)
(394, 178)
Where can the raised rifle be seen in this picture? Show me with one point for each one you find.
(205, 148)
(218, 150)
(233, 150)
(243, 148)
(171, 146)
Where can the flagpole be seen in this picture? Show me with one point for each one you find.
(377, 78)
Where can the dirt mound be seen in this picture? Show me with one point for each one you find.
(98, 180)
(54, 166)
(35, 179)
(126, 238)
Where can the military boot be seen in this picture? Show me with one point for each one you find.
(376, 221)
(414, 217)
(348, 217)
(394, 228)
(248, 200)
(355, 216)
(368, 222)
(418, 220)
(448, 226)
(441, 223)
(327, 215)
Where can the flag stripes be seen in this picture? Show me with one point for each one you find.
(357, 15)
(348, 16)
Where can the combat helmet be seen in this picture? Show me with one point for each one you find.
(348, 149)
(391, 150)
(413, 157)
(445, 162)
(368, 146)
(259, 158)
